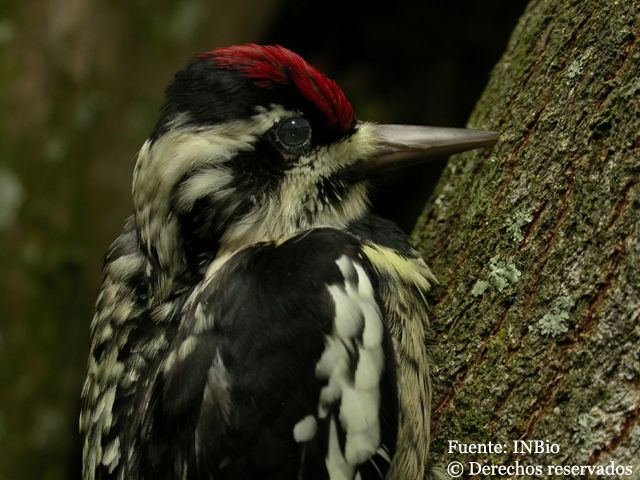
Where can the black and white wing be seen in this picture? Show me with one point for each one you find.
(282, 368)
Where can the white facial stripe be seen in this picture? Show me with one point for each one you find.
(333, 158)
(183, 149)
(201, 184)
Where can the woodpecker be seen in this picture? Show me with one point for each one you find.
(255, 320)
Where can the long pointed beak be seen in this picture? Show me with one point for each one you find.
(402, 145)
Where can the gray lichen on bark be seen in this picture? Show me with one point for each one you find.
(556, 355)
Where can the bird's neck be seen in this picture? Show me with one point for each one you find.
(188, 250)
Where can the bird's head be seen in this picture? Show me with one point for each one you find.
(254, 144)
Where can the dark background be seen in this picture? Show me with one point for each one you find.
(81, 82)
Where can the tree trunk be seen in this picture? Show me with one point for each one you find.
(536, 245)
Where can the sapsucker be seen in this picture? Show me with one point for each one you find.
(255, 320)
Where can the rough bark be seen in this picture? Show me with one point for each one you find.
(536, 244)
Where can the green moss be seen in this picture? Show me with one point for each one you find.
(502, 334)
(473, 424)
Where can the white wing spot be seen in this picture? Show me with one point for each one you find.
(361, 446)
(348, 269)
(359, 409)
(348, 319)
(369, 369)
(305, 429)
(357, 327)
(334, 359)
(336, 464)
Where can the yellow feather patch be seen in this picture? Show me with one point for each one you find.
(409, 270)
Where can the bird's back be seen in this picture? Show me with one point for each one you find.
(278, 364)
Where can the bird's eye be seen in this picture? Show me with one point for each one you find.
(294, 132)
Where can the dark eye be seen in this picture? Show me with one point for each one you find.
(294, 132)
